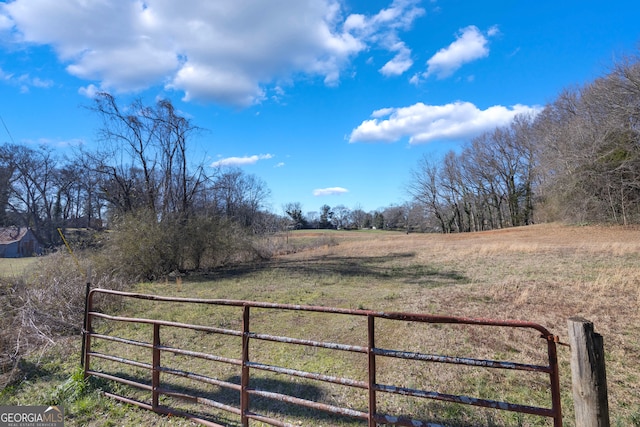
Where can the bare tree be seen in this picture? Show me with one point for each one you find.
(143, 160)
(178, 185)
(33, 190)
(341, 215)
(359, 218)
(489, 184)
(240, 196)
(590, 154)
(7, 173)
(427, 189)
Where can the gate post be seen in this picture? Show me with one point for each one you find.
(372, 369)
(155, 373)
(588, 374)
(244, 375)
(86, 334)
(85, 326)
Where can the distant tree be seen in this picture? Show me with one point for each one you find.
(454, 193)
(490, 183)
(378, 220)
(41, 191)
(7, 170)
(367, 221)
(341, 217)
(426, 189)
(33, 189)
(359, 218)
(415, 218)
(395, 217)
(313, 219)
(294, 211)
(480, 175)
(326, 217)
(240, 196)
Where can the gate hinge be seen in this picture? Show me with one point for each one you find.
(555, 339)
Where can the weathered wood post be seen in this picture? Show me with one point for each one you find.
(588, 374)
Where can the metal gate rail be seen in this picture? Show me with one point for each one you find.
(246, 364)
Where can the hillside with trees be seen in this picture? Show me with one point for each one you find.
(577, 161)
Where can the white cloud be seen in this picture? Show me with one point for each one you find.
(4, 75)
(331, 191)
(240, 161)
(213, 51)
(493, 31)
(89, 91)
(41, 83)
(425, 123)
(470, 45)
(5, 22)
(25, 81)
(382, 29)
(400, 63)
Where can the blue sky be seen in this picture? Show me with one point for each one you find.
(327, 101)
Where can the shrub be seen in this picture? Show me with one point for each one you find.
(141, 247)
(45, 303)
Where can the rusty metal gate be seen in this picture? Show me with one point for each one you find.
(246, 364)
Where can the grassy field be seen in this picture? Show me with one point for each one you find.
(12, 267)
(543, 274)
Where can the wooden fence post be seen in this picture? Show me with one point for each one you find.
(588, 374)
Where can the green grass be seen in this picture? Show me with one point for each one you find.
(14, 267)
(349, 282)
(543, 274)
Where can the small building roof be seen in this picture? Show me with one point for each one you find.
(12, 234)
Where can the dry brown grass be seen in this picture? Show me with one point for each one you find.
(39, 309)
(543, 273)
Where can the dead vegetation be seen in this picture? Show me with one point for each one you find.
(39, 307)
(543, 273)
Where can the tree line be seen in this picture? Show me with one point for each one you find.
(577, 161)
(339, 217)
(140, 180)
